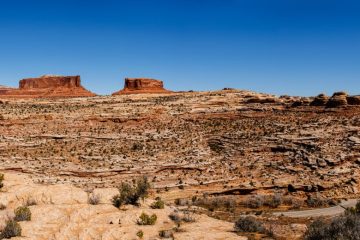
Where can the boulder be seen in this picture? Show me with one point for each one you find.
(320, 100)
(142, 85)
(338, 99)
(353, 100)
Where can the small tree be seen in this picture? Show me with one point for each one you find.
(130, 194)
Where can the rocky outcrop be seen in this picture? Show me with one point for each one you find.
(320, 100)
(353, 100)
(257, 99)
(338, 99)
(142, 85)
(48, 86)
(4, 89)
(49, 81)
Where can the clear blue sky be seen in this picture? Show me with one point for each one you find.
(298, 47)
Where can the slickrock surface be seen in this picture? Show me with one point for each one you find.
(142, 85)
(62, 212)
(48, 86)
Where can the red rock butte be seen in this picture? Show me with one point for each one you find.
(142, 85)
(48, 86)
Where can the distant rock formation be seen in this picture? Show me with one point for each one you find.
(4, 89)
(48, 86)
(320, 100)
(338, 99)
(142, 85)
(353, 100)
(49, 81)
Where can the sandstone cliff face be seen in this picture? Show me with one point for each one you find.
(48, 86)
(50, 82)
(142, 85)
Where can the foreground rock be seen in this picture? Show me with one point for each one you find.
(142, 85)
(62, 212)
(48, 86)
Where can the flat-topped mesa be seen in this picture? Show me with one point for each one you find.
(142, 85)
(48, 86)
(48, 81)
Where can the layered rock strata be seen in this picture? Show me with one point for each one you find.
(142, 85)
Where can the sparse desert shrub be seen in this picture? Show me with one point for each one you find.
(174, 216)
(188, 217)
(146, 219)
(130, 194)
(273, 201)
(248, 224)
(94, 199)
(346, 227)
(158, 204)
(166, 234)
(12, 229)
(212, 204)
(354, 210)
(255, 201)
(294, 203)
(22, 214)
(316, 201)
(140, 234)
(1, 180)
(182, 202)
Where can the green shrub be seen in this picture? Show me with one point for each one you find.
(12, 229)
(158, 204)
(248, 224)
(22, 214)
(146, 219)
(130, 194)
(140, 234)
